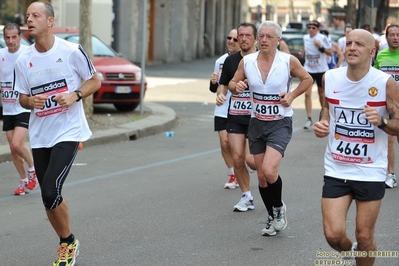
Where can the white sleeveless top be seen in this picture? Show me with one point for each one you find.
(356, 150)
(265, 95)
(221, 111)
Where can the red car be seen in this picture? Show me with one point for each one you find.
(120, 79)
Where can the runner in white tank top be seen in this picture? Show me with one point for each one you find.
(355, 120)
(220, 114)
(357, 150)
(267, 73)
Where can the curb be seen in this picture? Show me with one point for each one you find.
(162, 119)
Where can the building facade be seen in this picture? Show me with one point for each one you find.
(182, 30)
(176, 30)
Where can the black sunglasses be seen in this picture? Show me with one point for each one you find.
(229, 38)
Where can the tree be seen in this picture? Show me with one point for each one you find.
(382, 15)
(350, 11)
(291, 10)
(85, 41)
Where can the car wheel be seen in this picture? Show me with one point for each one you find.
(126, 107)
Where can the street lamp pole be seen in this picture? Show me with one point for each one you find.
(143, 53)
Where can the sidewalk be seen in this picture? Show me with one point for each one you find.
(161, 119)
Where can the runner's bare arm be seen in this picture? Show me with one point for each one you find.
(30, 102)
(392, 102)
(237, 84)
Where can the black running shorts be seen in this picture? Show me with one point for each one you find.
(220, 123)
(237, 128)
(317, 77)
(12, 121)
(361, 190)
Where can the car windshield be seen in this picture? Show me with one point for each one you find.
(100, 49)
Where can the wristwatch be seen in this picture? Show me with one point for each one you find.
(79, 94)
(384, 122)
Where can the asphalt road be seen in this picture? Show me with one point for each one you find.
(160, 201)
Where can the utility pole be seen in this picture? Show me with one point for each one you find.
(85, 41)
(350, 10)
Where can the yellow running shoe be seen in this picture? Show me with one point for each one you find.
(67, 254)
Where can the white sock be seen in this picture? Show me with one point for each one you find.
(231, 170)
(31, 169)
(26, 180)
(247, 194)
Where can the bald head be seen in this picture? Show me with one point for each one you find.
(363, 35)
(233, 32)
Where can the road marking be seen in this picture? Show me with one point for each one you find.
(123, 172)
(115, 174)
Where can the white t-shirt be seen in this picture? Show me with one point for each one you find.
(10, 97)
(59, 70)
(356, 149)
(383, 43)
(315, 61)
(221, 111)
(342, 46)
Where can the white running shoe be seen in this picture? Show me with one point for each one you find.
(244, 204)
(308, 124)
(391, 181)
(351, 253)
(232, 182)
(269, 229)
(280, 221)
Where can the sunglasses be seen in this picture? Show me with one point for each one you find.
(231, 38)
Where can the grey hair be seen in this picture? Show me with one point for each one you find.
(279, 31)
(49, 10)
(11, 26)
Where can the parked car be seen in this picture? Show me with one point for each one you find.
(120, 78)
(295, 44)
(297, 25)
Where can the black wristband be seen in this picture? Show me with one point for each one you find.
(321, 49)
(213, 87)
(384, 123)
